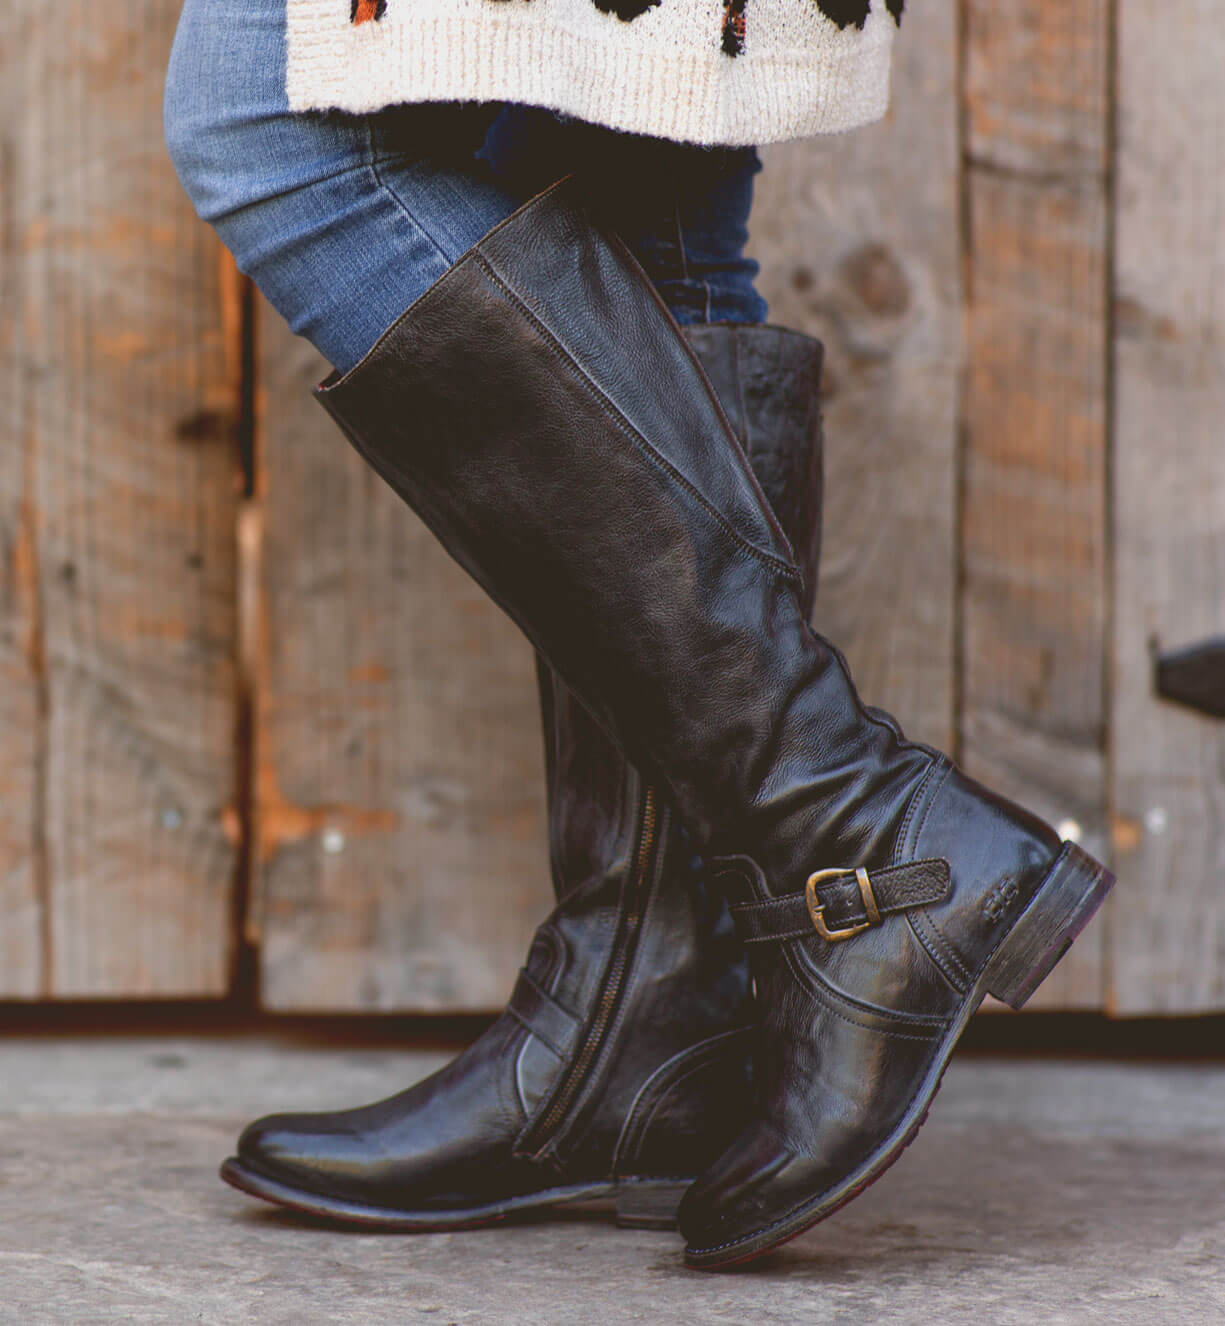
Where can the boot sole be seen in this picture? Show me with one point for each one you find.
(638, 1204)
(1075, 887)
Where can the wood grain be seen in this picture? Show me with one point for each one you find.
(400, 770)
(1035, 421)
(124, 563)
(1168, 949)
(858, 239)
(22, 858)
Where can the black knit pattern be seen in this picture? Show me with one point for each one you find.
(732, 32)
(733, 26)
(625, 10)
(846, 12)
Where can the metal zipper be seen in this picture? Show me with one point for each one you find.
(627, 939)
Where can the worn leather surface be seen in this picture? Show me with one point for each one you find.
(455, 1142)
(539, 410)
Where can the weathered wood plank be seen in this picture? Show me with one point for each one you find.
(400, 774)
(127, 417)
(22, 873)
(858, 239)
(1035, 421)
(1168, 926)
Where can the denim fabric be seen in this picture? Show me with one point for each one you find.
(684, 211)
(343, 220)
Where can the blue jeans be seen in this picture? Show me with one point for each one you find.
(343, 220)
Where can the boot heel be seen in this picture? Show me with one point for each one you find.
(1072, 891)
(648, 1204)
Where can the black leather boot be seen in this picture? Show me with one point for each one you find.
(539, 409)
(631, 1012)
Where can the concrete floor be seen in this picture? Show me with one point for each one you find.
(1038, 1192)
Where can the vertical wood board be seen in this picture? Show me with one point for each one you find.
(127, 409)
(1168, 952)
(1034, 416)
(22, 864)
(400, 773)
(857, 235)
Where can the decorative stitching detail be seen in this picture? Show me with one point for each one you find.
(786, 937)
(691, 1060)
(821, 990)
(366, 11)
(629, 432)
(999, 902)
(926, 796)
(824, 995)
(946, 947)
(946, 770)
(905, 844)
(921, 927)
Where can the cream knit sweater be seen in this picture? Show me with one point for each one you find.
(698, 71)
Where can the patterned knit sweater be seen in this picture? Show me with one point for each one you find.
(697, 71)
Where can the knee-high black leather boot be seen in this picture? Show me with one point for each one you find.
(539, 409)
(631, 1011)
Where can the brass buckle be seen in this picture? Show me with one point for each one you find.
(816, 908)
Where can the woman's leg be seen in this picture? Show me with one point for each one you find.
(547, 422)
(342, 220)
(683, 210)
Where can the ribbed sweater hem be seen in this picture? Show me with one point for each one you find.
(692, 97)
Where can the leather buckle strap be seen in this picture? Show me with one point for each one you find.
(842, 902)
(543, 1016)
(816, 908)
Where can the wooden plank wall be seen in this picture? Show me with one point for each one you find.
(1018, 276)
(1034, 423)
(117, 519)
(857, 236)
(23, 901)
(401, 858)
(1168, 764)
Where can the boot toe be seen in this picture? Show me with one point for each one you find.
(313, 1152)
(742, 1197)
(765, 1189)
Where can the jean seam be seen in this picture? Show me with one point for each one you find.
(399, 203)
(680, 238)
(687, 281)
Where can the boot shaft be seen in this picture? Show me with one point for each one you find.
(540, 411)
(768, 381)
(654, 941)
